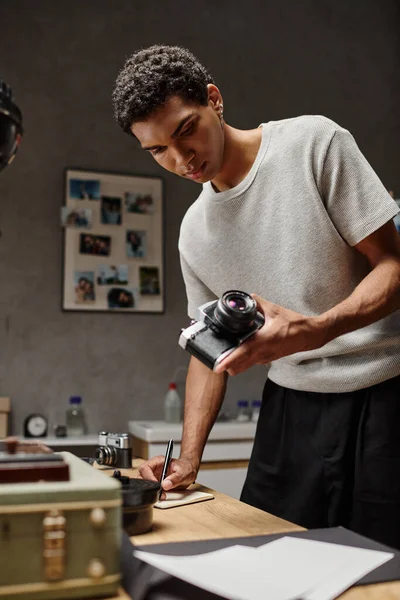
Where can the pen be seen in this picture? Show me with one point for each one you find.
(168, 455)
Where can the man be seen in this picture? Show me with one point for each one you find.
(290, 210)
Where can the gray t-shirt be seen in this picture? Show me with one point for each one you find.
(286, 232)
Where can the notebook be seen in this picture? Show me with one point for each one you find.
(181, 497)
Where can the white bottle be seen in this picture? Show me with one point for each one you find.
(243, 413)
(172, 405)
(255, 410)
(75, 417)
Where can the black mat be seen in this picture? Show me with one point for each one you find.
(144, 582)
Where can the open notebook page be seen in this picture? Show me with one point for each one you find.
(180, 497)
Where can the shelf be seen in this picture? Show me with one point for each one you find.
(160, 431)
(84, 440)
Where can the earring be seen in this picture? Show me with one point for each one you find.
(221, 116)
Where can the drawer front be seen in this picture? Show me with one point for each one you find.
(227, 481)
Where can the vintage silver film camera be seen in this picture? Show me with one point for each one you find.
(115, 450)
(221, 327)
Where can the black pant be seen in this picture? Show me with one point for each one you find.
(323, 460)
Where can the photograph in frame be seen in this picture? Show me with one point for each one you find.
(149, 281)
(99, 245)
(111, 210)
(121, 298)
(84, 189)
(136, 243)
(112, 275)
(84, 287)
(76, 217)
(139, 203)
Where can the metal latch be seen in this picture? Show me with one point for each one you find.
(54, 546)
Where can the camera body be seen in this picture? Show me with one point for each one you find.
(222, 326)
(115, 450)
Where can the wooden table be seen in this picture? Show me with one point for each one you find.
(226, 517)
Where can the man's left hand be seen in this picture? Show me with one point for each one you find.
(284, 332)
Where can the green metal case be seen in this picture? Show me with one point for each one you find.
(61, 539)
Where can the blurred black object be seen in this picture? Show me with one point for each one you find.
(138, 499)
(10, 126)
(60, 431)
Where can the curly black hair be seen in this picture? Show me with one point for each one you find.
(151, 76)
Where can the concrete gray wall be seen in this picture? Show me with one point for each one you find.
(271, 60)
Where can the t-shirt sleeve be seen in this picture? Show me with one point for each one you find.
(355, 198)
(197, 293)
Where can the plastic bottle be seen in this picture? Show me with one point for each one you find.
(243, 413)
(172, 405)
(255, 410)
(75, 417)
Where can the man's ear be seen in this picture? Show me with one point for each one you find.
(214, 97)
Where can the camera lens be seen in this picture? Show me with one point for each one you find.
(105, 455)
(237, 303)
(235, 311)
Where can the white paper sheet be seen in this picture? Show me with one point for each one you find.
(355, 568)
(230, 572)
(285, 569)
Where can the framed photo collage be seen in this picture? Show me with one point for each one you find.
(113, 243)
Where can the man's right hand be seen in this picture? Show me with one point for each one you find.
(181, 472)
